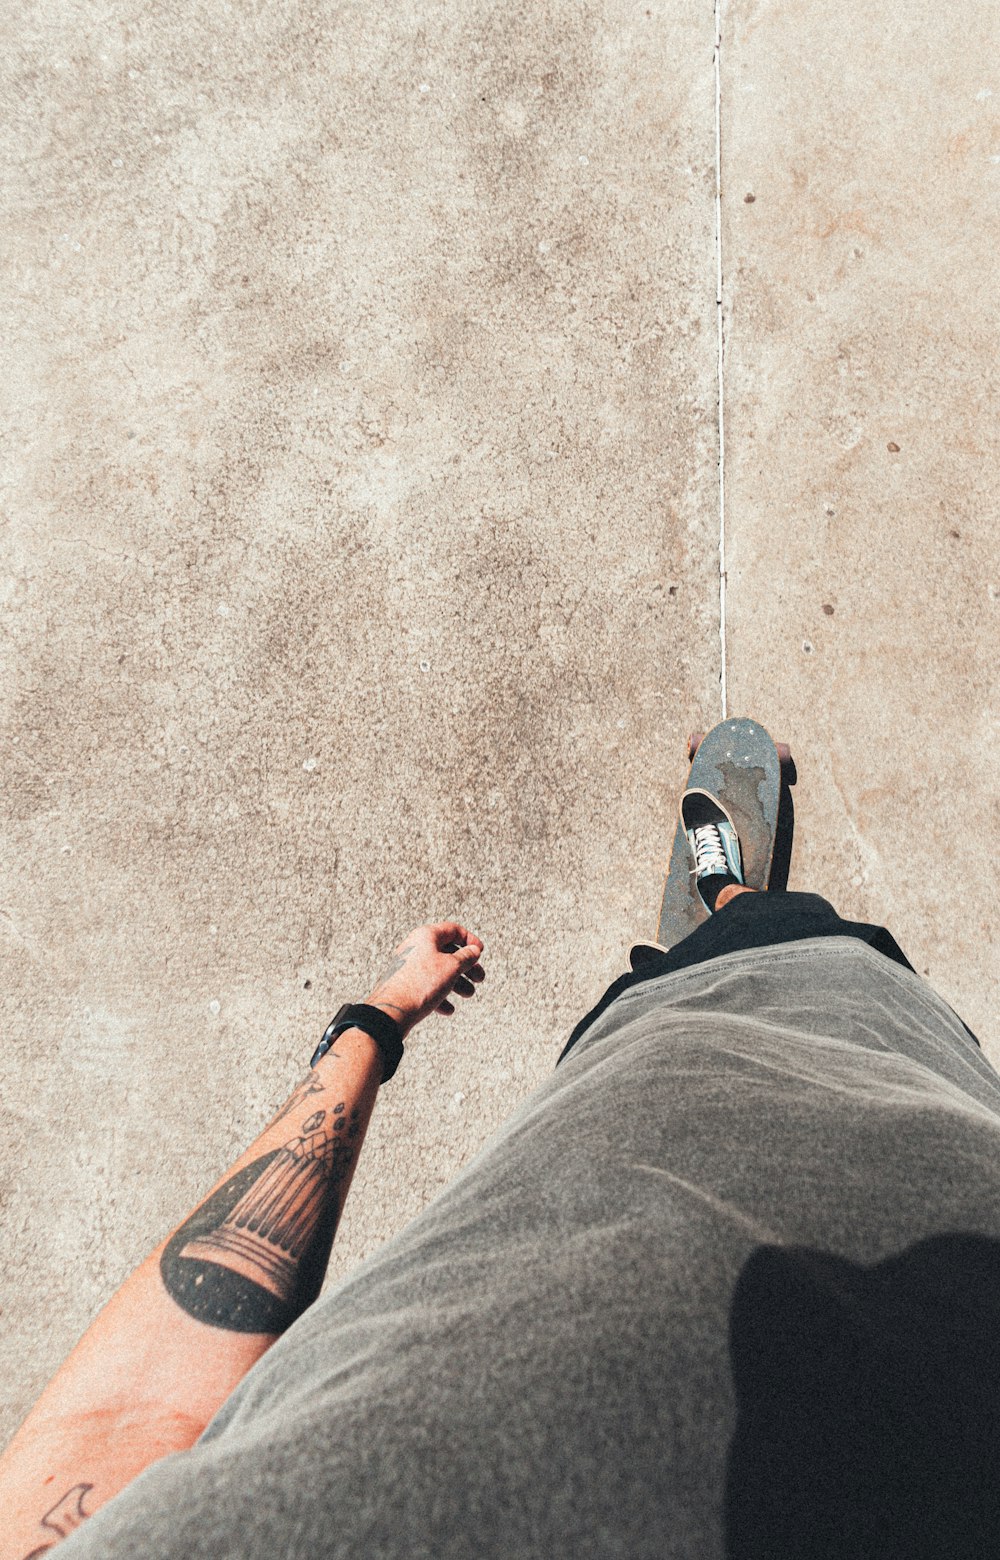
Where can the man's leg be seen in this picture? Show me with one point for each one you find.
(730, 891)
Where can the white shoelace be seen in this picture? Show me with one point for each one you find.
(709, 855)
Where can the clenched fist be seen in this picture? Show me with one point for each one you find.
(430, 963)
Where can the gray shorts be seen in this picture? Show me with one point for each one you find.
(748, 921)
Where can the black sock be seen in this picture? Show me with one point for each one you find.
(711, 886)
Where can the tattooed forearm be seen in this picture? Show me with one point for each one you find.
(253, 1257)
(62, 1518)
(144, 1381)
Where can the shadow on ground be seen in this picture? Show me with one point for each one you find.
(868, 1404)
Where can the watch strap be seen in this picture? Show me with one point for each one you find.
(362, 1015)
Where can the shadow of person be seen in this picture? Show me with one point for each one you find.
(868, 1404)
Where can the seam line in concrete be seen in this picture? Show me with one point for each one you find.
(718, 310)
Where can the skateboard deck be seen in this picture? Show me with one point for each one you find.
(737, 762)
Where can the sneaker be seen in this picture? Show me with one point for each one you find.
(712, 841)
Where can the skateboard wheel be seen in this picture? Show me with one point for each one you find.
(784, 753)
(694, 743)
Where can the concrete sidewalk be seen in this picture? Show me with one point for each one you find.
(362, 535)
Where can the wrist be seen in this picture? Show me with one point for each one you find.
(400, 1015)
(355, 1044)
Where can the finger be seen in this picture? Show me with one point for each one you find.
(450, 931)
(471, 972)
(459, 936)
(468, 959)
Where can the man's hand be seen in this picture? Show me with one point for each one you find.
(428, 965)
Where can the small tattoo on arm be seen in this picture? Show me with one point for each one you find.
(309, 1085)
(395, 967)
(63, 1518)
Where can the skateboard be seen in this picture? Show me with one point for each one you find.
(739, 763)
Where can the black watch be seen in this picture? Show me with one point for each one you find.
(384, 1031)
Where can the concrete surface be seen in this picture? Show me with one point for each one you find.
(863, 455)
(361, 524)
